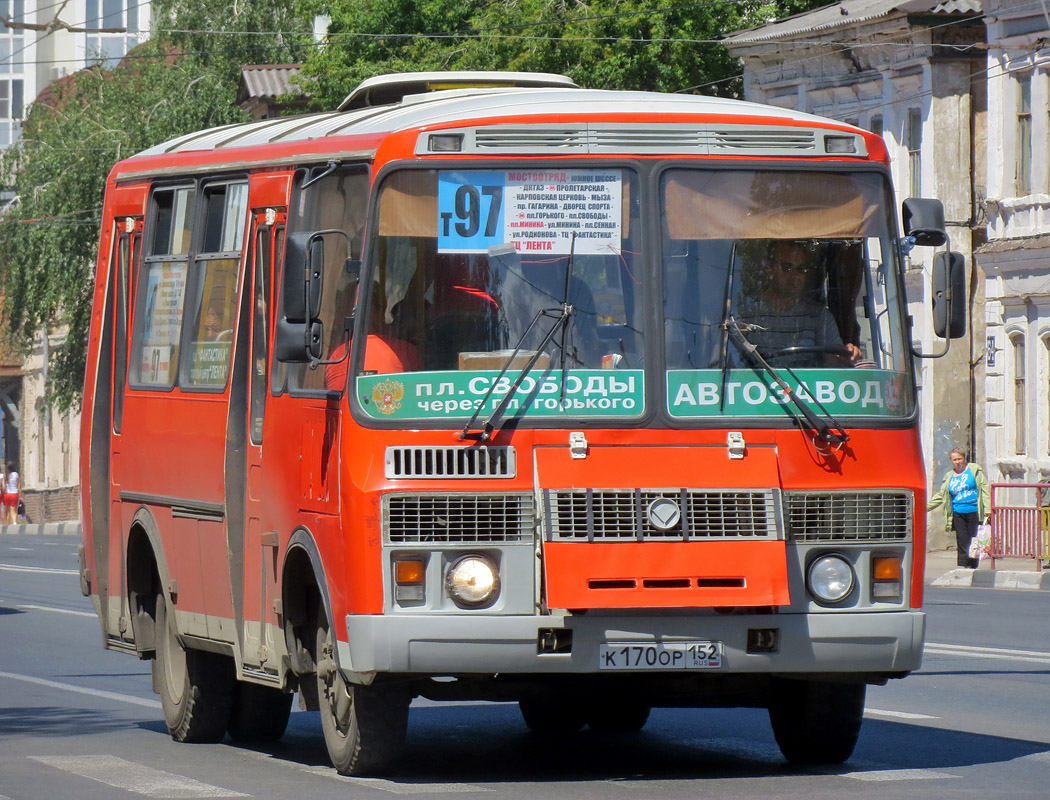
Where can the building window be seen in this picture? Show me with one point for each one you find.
(12, 72)
(1019, 394)
(914, 142)
(876, 124)
(109, 48)
(1024, 135)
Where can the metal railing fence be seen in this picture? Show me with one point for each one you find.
(1020, 521)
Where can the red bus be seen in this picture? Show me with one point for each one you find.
(487, 386)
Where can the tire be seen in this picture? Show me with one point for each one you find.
(612, 717)
(548, 714)
(364, 726)
(195, 687)
(816, 722)
(260, 713)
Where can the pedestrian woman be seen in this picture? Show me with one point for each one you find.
(967, 500)
(12, 493)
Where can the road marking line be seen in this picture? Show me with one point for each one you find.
(375, 783)
(936, 651)
(42, 570)
(69, 687)
(968, 648)
(878, 712)
(897, 775)
(54, 610)
(137, 778)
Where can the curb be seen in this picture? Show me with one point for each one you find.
(70, 528)
(994, 579)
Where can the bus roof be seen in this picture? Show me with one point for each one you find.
(388, 89)
(539, 120)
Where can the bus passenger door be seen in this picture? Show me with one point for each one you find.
(261, 547)
(126, 246)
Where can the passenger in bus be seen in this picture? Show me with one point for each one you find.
(782, 312)
(213, 330)
(384, 353)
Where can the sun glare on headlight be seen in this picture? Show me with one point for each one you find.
(472, 581)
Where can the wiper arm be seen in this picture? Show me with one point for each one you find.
(828, 434)
(723, 364)
(489, 429)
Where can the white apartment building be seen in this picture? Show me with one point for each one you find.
(36, 48)
(1016, 258)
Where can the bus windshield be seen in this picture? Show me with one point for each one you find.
(803, 267)
(471, 270)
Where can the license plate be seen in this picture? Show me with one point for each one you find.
(671, 655)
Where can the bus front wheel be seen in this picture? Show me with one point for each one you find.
(364, 726)
(195, 687)
(816, 722)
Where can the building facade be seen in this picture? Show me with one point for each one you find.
(36, 48)
(912, 72)
(1016, 258)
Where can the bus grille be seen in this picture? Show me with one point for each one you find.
(850, 516)
(622, 514)
(458, 518)
(450, 462)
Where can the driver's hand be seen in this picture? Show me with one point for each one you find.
(855, 353)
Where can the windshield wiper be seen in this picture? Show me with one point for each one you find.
(562, 317)
(723, 363)
(561, 320)
(828, 430)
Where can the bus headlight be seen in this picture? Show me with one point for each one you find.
(830, 579)
(472, 581)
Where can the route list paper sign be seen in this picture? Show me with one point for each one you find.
(536, 210)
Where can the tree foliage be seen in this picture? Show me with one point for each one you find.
(661, 45)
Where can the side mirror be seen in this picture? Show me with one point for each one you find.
(924, 219)
(299, 334)
(949, 295)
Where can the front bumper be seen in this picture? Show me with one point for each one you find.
(840, 642)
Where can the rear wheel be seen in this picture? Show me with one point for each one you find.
(364, 726)
(260, 713)
(195, 687)
(816, 722)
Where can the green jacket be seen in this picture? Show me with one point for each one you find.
(944, 497)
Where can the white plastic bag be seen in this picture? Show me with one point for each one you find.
(975, 548)
(984, 542)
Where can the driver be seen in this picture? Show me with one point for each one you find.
(783, 313)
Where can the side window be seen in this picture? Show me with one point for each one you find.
(162, 289)
(207, 359)
(267, 240)
(337, 200)
(122, 272)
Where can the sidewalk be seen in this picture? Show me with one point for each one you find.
(70, 528)
(1010, 573)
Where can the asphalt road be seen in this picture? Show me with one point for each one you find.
(76, 721)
